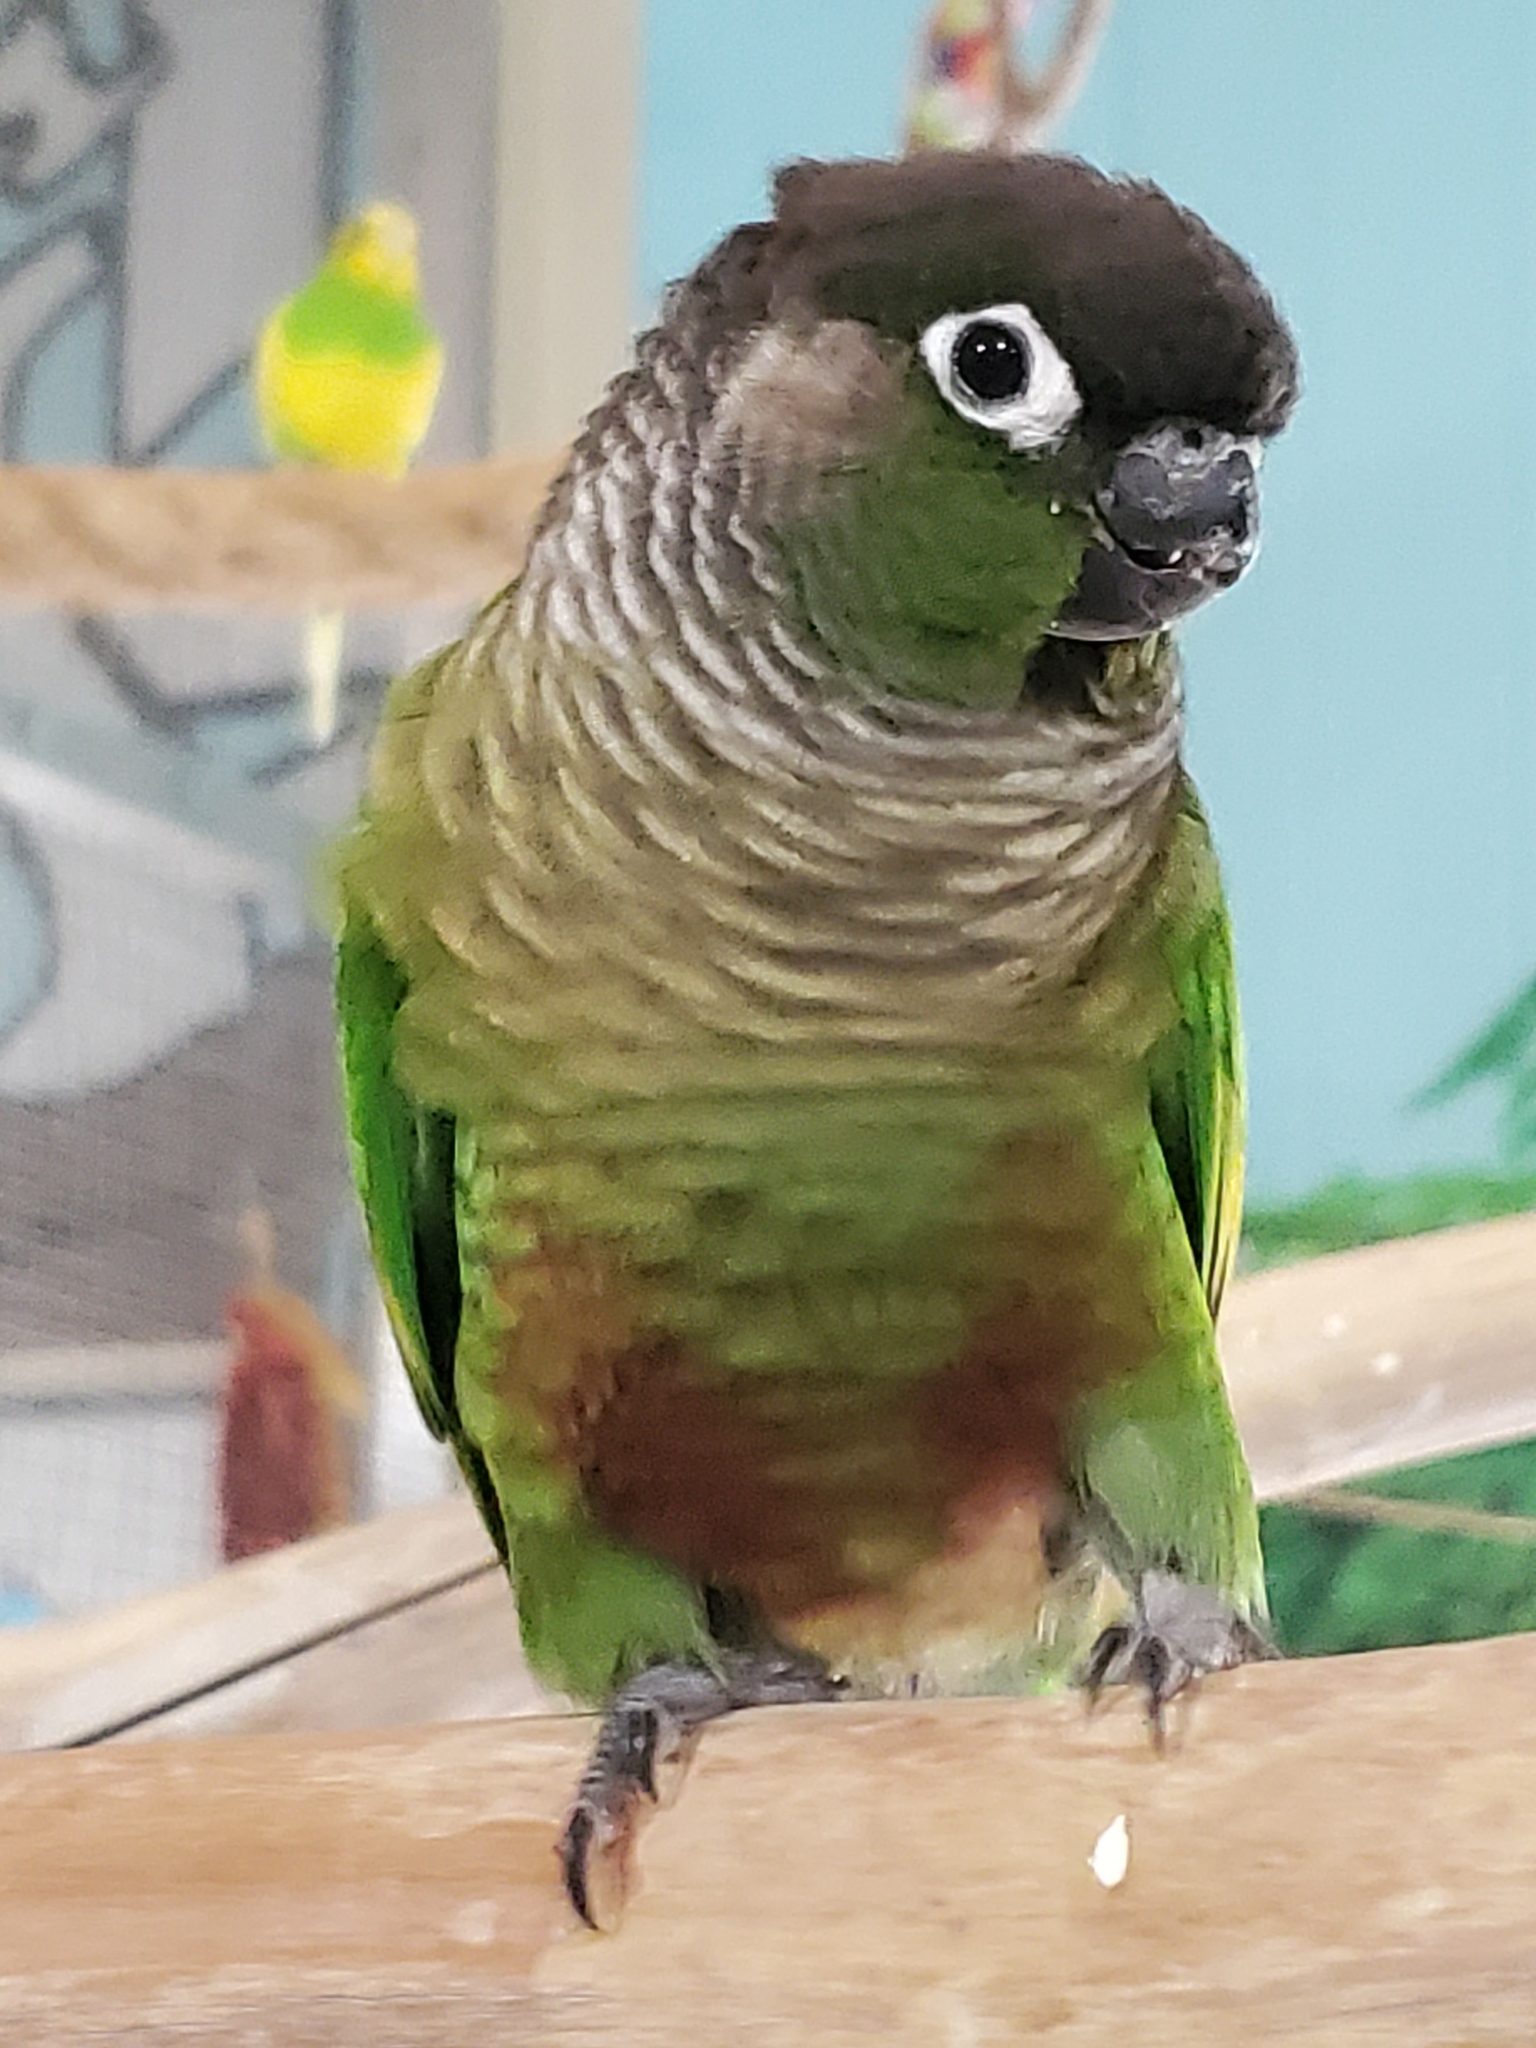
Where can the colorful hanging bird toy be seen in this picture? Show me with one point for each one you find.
(347, 372)
(956, 91)
(289, 1398)
(974, 89)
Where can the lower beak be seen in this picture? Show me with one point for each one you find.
(1176, 522)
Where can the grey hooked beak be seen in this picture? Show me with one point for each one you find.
(1176, 522)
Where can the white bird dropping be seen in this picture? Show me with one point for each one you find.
(1111, 1857)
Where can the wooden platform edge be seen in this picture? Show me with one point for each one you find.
(80, 1681)
(1340, 1852)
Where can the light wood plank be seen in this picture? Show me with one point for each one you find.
(452, 1656)
(277, 541)
(1387, 1356)
(1340, 1852)
(87, 1373)
(75, 1681)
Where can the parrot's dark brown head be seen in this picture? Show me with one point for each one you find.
(1155, 315)
(1076, 342)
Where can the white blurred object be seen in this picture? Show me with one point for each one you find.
(324, 633)
(404, 1462)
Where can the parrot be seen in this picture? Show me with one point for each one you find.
(785, 986)
(346, 376)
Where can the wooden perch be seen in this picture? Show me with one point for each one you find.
(283, 540)
(1340, 1853)
(1388, 1356)
(87, 1680)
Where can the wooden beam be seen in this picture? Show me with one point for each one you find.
(88, 1374)
(81, 1681)
(1339, 1852)
(449, 1655)
(1384, 1357)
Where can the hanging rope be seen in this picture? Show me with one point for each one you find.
(274, 541)
(1035, 103)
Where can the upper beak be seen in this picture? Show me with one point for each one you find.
(1176, 521)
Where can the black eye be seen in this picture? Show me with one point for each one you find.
(990, 361)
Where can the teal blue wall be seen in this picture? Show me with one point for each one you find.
(734, 86)
(1364, 708)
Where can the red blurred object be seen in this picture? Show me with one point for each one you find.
(965, 59)
(290, 1392)
(975, 85)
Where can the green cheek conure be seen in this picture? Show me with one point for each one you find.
(786, 989)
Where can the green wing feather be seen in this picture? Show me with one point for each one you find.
(403, 1162)
(1157, 1450)
(1197, 1067)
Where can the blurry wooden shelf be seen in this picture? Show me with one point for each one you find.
(451, 1655)
(1370, 1360)
(76, 1375)
(88, 1680)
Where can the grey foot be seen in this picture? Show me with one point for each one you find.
(1178, 1632)
(645, 1740)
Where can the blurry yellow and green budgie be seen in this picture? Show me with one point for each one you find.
(347, 373)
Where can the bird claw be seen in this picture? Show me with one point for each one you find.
(596, 1851)
(1180, 1632)
(640, 1759)
(645, 1742)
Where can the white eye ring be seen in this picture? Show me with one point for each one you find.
(1040, 414)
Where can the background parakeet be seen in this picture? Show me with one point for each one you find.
(347, 373)
(786, 991)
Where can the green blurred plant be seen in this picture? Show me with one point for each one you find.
(1349, 1212)
(1505, 1053)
